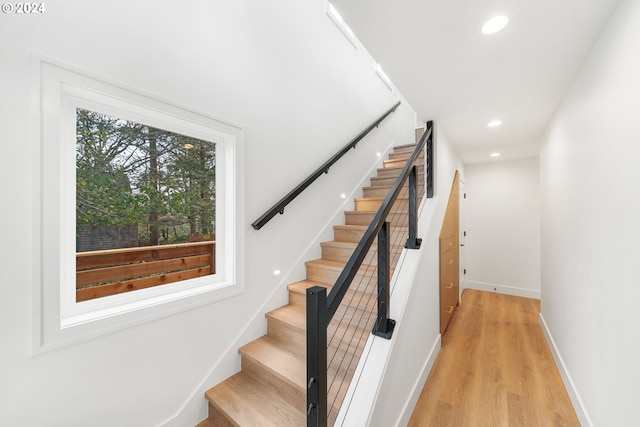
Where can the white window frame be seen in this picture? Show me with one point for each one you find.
(57, 318)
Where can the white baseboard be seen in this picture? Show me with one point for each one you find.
(407, 411)
(502, 289)
(578, 406)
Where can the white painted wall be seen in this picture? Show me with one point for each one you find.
(590, 227)
(279, 69)
(502, 220)
(417, 335)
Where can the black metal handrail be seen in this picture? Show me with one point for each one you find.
(278, 208)
(351, 268)
(322, 307)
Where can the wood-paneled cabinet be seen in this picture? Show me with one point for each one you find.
(450, 258)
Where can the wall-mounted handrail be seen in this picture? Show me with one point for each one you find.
(278, 208)
(322, 307)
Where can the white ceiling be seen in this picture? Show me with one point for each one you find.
(437, 57)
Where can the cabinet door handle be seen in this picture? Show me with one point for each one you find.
(450, 285)
(450, 261)
(450, 309)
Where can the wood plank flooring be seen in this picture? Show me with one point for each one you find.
(494, 370)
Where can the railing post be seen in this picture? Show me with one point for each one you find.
(413, 242)
(384, 326)
(317, 357)
(428, 164)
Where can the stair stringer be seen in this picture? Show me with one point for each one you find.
(365, 391)
(195, 408)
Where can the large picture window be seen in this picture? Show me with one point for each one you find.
(139, 207)
(145, 206)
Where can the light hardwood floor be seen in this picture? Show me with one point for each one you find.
(494, 370)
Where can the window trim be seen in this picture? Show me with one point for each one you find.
(56, 317)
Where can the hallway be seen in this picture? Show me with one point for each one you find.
(494, 369)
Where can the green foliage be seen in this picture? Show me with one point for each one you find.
(129, 173)
(102, 200)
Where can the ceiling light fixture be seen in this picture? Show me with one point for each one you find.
(494, 25)
(495, 154)
(494, 123)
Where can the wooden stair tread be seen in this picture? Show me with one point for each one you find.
(377, 199)
(286, 366)
(395, 231)
(401, 158)
(333, 265)
(400, 155)
(364, 228)
(350, 227)
(404, 147)
(251, 403)
(339, 244)
(394, 171)
(349, 233)
(360, 212)
(389, 187)
(354, 245)
(398, 217)
(390, 179)
(391, 168)
(338, 266)
(385, 181)
(382, 189)
(401, 162)
(371, 203)
(279, 361)
(303, 285)
(364, 281)
(293, 315)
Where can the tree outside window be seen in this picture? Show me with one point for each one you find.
(130, 175)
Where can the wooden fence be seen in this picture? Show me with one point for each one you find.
(109, 272)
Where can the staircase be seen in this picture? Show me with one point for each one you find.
(270, 389)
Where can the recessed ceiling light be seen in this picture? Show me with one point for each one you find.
(495, 154)
(494, 123)
(276, 272)
(494, 25)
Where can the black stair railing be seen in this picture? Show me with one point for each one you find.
(278, 208)
(322, 307)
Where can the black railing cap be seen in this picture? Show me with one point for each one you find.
(350, 270)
